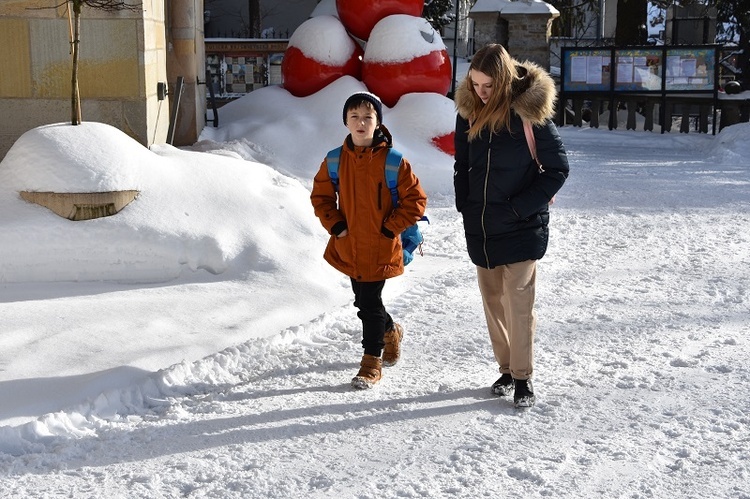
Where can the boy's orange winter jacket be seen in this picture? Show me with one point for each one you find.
(364, 203)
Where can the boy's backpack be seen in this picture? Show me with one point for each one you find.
(411, 238)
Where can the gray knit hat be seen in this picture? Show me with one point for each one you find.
(355, 100)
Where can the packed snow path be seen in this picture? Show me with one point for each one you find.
(641, 370)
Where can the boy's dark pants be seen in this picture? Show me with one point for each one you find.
(375, 319)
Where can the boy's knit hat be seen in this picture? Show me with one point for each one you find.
(365, 96)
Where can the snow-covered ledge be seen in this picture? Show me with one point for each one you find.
(76, 171)
(82, 205)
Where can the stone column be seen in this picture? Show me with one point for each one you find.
(521, 26)
(186, 57)
(528, 37)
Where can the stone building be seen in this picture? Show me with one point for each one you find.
(521, 26)
(127, 59)
(275, 18)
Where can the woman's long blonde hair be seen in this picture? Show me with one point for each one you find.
(494, 61)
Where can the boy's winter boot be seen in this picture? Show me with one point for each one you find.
(370, 372)
(392, 350)
(504, 385)
(524, 395)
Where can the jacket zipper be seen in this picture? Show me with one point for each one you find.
(484, 205)
(380, 200)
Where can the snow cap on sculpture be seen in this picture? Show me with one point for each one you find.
(404, 55)
(320, 51)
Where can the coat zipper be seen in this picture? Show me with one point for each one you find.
(484, 206)
(380, 198)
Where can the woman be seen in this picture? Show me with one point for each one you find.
(504, 197)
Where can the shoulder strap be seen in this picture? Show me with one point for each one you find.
(392, 165)
(332, 160)
(528, 130)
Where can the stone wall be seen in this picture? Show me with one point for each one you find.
(122, 58)
(528, 38)
(524, 28)
(489, 28)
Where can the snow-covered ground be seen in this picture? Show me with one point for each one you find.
(197, 345)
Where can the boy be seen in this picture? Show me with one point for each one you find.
(365, 226)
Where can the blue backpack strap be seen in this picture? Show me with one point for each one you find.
(332, 160)
(411, 237)
(392, 165)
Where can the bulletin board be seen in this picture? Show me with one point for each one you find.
(237, 67)
(661, 69)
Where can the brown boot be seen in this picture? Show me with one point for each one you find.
(392, 350)
(369, 372)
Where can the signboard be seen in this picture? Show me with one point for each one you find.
(274, 71)
(244, 73)
(640, 69)
(238, 67)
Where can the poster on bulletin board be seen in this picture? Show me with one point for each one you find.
(587, 70)
(690, 69)
(638, 70)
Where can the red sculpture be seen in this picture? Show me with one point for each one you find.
(360, 16)
(304, 76)
(389, 81)
(320, 52)
(446, 143)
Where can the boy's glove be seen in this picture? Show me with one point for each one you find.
(339, 227)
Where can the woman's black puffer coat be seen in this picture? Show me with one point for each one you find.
(503, 198)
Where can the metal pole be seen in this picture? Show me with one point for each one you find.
(175, 109)
(455, 50)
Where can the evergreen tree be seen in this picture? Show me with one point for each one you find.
(576, 17)
(732, 26)
(733, 23)
(254, 21)
(631, 22)
(439, 12)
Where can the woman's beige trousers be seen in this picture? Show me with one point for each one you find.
(508, 293)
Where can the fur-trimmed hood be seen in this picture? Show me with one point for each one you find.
(533, 98)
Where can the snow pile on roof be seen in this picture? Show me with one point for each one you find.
(514, 7)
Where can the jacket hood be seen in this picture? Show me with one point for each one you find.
(533, 98)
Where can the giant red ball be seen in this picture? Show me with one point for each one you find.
(428, 73)
(320, 52)
(446, 143)
(360, 16)
(304, 76)
(404, 55)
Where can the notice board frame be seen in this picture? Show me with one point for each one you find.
(665, 70)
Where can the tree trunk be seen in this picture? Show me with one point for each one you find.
(631, 22)
(254, 23)
(75, 115)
